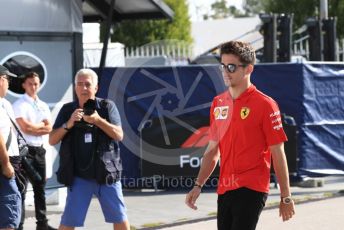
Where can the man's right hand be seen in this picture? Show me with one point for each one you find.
(192, 196)
(76, 116)
(7, 170)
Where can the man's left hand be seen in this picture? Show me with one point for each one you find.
(286, 211)
(92, 119)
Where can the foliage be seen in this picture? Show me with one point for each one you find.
(221, 11)
(140, 32)
(254, 7)
(301, 9)
(305, 9)
(336, 8)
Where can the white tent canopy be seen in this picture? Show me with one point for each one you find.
(41, 16)
(209, 34)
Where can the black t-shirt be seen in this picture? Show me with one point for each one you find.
(85, 138)
(84, 151)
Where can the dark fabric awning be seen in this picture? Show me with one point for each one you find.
(97, 10)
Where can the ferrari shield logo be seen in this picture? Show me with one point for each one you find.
(244, 112)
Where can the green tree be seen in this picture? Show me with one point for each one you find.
(336, 8)
(140, 32)
(236, 12)
(220, 10)
(305, 9)
(301, 9)
(253, 7)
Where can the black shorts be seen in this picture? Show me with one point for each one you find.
(240, 209)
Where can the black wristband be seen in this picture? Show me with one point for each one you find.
(65, 127)
(198, 185)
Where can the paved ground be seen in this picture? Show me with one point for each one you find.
(147, 209)
(320, 215)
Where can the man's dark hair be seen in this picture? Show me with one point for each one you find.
(244, 51)
(31, 74)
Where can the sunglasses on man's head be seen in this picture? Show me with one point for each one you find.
(231, 68)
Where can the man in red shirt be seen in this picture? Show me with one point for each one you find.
(245, 132)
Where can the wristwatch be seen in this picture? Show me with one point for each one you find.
(286, 200)
(65, 127)
(198, 185)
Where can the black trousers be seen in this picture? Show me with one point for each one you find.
(240, 209)
(36, 156)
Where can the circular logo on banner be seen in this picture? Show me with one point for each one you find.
(22, 63)
(165, 110)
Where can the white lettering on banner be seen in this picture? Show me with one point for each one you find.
(193, 162)
(275, 114)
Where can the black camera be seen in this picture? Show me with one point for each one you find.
(89, 107)
(30, 171)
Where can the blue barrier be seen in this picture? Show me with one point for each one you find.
(164, 108)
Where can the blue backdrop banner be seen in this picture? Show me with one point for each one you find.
(165, 112)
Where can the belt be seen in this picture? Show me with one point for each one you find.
(35, 146)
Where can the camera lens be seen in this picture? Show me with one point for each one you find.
(88, 112)
(89, 107)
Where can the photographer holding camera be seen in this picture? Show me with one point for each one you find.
(10, 200)
(89, 130)
(34, 120)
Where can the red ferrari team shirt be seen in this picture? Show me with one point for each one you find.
(245, 128)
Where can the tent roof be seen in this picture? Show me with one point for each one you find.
(97, 10)
(210, 34)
